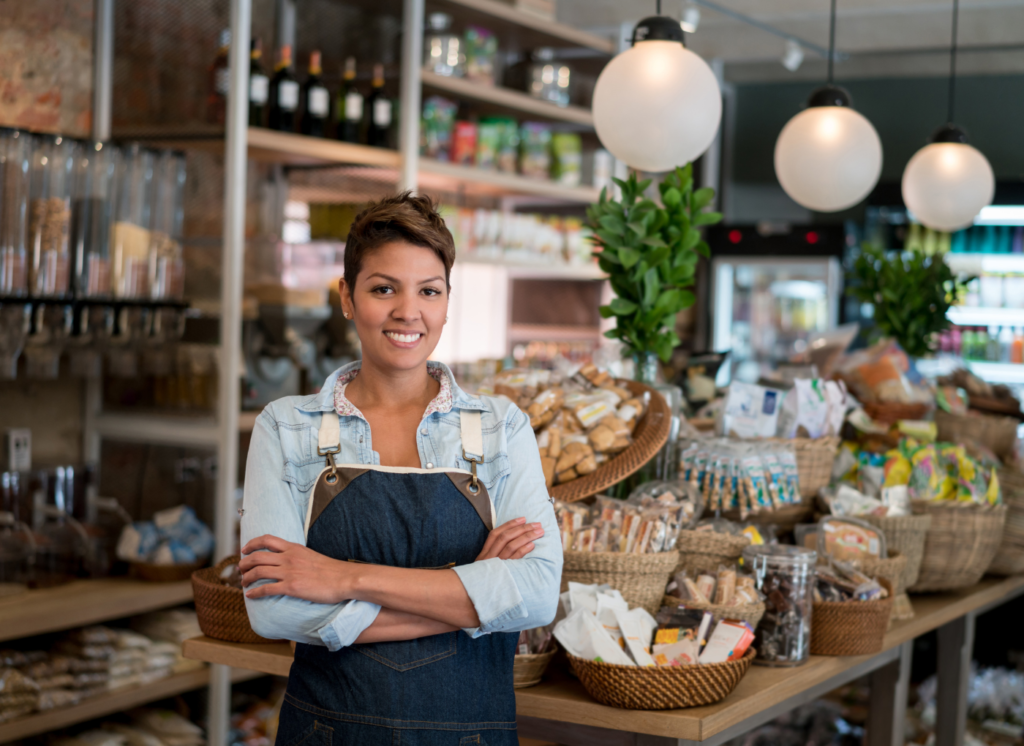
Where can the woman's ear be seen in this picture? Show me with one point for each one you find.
(347, 307)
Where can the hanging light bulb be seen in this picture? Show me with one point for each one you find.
(947, 182)
(828, 157)
(657, 105)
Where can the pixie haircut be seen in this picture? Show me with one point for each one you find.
(407, 217)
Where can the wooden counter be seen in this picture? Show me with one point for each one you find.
(761, 695)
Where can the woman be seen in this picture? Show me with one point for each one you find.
(385, 529)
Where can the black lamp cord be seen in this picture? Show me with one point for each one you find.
(952, 62)
(831, 41)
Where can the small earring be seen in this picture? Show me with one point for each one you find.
(446, 319)
(347, 316)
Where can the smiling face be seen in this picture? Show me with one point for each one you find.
(398, 304)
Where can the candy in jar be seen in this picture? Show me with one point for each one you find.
(785, 575)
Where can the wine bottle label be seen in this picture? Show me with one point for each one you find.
(258, 88)
(222, 80)
(288, 95)
(353, 107)
(382, 112)
(319, 102)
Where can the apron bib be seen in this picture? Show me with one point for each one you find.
(442, 690)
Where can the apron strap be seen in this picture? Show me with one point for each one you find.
(472, 434)
(329, 439)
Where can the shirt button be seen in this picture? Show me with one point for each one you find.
(423, 431)
(430, 466)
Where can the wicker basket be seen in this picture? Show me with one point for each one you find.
(889, 413)
(648, 438)
(641, 578)
(1009, 558)
(998, 434)
(851, 627)
(905, 534)
(894, 569)
(814, 459)
(528, 670)
(660, 687)
(960, 545)
(749, 613)
(221, 608)
(164, 573)
(704, 551)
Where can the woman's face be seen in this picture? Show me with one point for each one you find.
(399, 304)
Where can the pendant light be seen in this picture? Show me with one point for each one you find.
(657, 105)
(828, 157)
(947, 182)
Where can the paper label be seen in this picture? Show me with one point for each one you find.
(382, 112)
(288, 95)
(319, 101)
(259, 85)
(222, 80)
(353, 107)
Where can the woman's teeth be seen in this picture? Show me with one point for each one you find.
(402, 337)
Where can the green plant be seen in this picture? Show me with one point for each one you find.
(650, 253)
(910, 292)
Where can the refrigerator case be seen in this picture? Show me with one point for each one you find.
(764, 309)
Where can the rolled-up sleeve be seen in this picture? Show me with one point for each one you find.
(273, 506)
(513, 595)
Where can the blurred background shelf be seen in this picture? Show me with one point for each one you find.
(451, 177)
(980, 316)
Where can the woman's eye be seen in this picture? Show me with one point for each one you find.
(431, 291)
(383, 290)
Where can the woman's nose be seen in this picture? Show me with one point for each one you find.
(406, 308)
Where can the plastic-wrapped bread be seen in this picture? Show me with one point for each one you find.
(726, 587)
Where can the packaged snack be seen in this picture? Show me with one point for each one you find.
(637, 627)
(607, 607)
(849, 538)
(488, 142)
(463, 150)
(729, 642)
(583, 636)
(438, 122)
(726, 587)
(481, 55)
(535, 150)
(566, 158)
(751, 411)
(706, 586)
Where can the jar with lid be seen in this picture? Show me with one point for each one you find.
(15, 181)
(785, 575)
(91, 214)
(542, 76)
(49, 222)
(443, 53)
(16, 541)
(166, 259)
(129, 245)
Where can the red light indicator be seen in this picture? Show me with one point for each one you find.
(735, 236)
(812, 237)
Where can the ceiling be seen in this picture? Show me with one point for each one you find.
(876, 38)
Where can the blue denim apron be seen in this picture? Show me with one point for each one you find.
(442, 690)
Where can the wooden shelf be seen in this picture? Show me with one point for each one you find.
(451, 177)
(518, 29)
(508, 100)
(83, 602)
(117, 700)
(273, 658)
(552, 333)
(537, 270)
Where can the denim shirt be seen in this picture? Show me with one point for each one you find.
(283, 465)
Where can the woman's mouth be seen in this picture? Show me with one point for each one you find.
(404, 339)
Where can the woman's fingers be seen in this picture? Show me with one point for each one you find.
(260, 558)
(270, 589)
(520, 542)
(495, 535)
(263, 572)
(267, 541)
(497, 548)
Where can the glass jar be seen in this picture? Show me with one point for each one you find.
(15, 183)
(785, 575)
(91, 214)
(547, 79)
(129, 247)
(166, 258)
(443, 53)
(16, 542)
(49, 223)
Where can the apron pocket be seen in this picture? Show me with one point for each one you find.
(408, 654)
(317, 734)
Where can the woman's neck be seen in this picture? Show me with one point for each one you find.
(375, 388)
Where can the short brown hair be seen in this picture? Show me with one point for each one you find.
(408, 217)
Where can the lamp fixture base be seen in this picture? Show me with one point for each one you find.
(830, 95)
(949, 133)
(658, 28)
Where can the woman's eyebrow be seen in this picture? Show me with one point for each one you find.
(395, 280)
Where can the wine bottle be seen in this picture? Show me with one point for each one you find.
(219, 80)
(284, 93)
(378, 106)
(259, 86)
(316, 101)
(348, 107)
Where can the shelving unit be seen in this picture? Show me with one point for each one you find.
(506, 100)
(117, 700)
(451, 177)
(977, 316)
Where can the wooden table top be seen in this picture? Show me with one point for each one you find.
(561, 698)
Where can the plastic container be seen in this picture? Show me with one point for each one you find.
(548, 79)
(785, 575)
(129, 260)
(443, 51)
(49, 217)
(166, 258)
(91, 216)
(15, 181)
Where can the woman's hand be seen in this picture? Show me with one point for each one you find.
(512, 540)
(299, 571)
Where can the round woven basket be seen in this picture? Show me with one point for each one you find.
(221, 608)
(889, 413)
(814, 459)
(164, 573)
(785, 519)
(1009, 559)
(528, 670)
(660, 687)
(704, 551)
(892, 568)
(960, 544)
(905, 534)
(641, 578)
(648, 438)
(998, 434)
(851, 627)
(749, 613)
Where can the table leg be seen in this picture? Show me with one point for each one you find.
(956, 644)
(887, 707)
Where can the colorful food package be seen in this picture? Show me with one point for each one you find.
(481, 55)
(438, 121)
(535, 150)
(729, 642)
(637, 627)
(464, 139)
(583, 636)
(751, 411)
(566, 158)
(850, 539)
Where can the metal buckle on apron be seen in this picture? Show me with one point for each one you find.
(474, 483)
(328, 454)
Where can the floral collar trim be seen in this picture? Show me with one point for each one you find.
(441, 403)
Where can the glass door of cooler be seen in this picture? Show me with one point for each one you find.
(764, 310)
